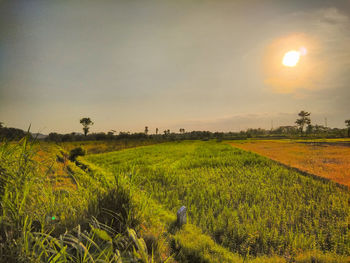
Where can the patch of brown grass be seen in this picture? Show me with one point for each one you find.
(53, 169)
(324, 160)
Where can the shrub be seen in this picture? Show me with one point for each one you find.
(74, 153)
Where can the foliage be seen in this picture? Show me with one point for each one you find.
(99, 243)
(74, 153)
(86, 122)
(42, 223)
(12, 133)
(304, 119)
(194, 246)
(317, 256)
(315, 131)
(347, 123)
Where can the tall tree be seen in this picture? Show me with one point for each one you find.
(86, 122)
(157, 130)
(146, 130)
(347, 123)
(304, 119)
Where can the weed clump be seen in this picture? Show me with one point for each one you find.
(74, 153)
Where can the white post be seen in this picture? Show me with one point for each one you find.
(181, 216)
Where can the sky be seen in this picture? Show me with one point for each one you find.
(193, 64)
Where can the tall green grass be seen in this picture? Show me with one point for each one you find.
(247, 203)
(39, 223)
(16, 170)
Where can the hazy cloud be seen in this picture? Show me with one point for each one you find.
(199, 63)
(326, 35)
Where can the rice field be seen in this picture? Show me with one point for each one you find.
(325, 158)
(242, 207)
(246, 203)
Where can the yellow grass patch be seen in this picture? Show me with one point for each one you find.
(53, 166)
(328, 159)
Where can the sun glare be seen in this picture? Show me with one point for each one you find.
(291, 58)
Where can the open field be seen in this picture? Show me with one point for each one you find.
(325, 158)
(241, 207)
(247, 203)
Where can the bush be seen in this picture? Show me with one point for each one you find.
(74, 153)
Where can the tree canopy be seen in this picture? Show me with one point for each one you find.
(86, 122)
(347, 123)
(304, 119)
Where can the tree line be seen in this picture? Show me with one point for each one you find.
(303, 128)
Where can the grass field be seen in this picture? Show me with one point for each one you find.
(93, 147)
(325, 158)
(245, 202)
(242, 207)
(51, 210)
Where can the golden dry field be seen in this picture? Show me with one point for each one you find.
(54, 166)
(325, 158)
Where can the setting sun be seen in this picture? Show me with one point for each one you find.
(291, 58)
